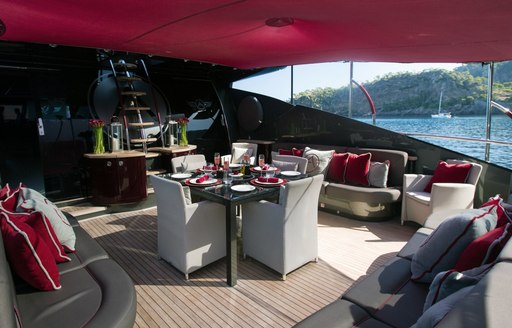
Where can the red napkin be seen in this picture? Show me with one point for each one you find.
(265, 167)
(202, 179)
(269, 180)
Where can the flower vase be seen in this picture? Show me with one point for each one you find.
(99, 147)
(183, 139)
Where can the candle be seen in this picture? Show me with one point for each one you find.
(115, 144)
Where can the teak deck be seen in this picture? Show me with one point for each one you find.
(348, 250)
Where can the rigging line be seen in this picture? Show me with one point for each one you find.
(184, 18)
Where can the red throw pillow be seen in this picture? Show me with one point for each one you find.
(9, 204)
(337, 167)
(285, 152)
(485, 248)
(357, 169)
(297, 152)
(5, 192)
(29, 255)
(497, 201)
(42, 226)
(453, 173)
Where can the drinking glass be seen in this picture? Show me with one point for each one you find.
(184, 167)
(216, 160)
(261, 160)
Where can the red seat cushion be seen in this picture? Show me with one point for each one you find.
(357, 169)
(337, 167)
(297, 152)
(453, 173)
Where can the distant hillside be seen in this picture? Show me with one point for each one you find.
(464, 92)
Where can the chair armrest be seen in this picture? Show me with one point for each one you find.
(415, 182)
(205, 209)
(452, 195)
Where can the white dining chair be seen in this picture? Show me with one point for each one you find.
(302, 162)
(190, 236)
(187, 163)
(283, 235)
(238, 149)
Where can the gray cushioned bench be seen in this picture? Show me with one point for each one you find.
(366, 203)
(388, 298)
(96, 292)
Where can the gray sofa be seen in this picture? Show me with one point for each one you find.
(366, 203)
(96, 292)
(388, 298)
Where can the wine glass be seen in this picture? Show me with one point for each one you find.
(261, 163)
(184, 167)
(216, 160)
(261, 160)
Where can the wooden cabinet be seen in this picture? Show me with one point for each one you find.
(116, 178)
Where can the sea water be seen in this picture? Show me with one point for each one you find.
(463, 126)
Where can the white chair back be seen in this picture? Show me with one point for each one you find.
(187, 163)
(302, 163)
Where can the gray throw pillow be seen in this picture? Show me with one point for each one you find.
(438, 311)
(442, 249)
(449, 282)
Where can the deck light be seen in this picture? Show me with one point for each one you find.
(279, 21)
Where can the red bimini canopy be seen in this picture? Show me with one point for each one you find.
(265, 33)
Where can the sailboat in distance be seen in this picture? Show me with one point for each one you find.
(439, 113)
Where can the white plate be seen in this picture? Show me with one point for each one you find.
(279, 181)
(243, 188)
(207, 182)
(290, 173)
(258, 168)
(235, 166)
(181, 175)
(237, 175)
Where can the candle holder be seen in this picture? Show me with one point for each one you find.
(171, 132)
(116, 135)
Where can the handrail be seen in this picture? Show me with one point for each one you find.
(502, 108)
(497, 142)
(370, 100)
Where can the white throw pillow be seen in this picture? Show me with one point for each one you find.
(238, 154)
(378, 174)
(30, 200)
(318, 160)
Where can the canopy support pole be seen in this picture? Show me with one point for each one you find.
(490, 76)
(292, 101)
(350, 90)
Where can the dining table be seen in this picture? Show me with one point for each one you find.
(226, 194)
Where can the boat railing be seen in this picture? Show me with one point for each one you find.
(437, 136)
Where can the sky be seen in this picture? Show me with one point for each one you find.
(334, 75)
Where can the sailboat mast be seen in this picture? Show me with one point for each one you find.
(440, 101)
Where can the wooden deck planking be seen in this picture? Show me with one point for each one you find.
(348, 250)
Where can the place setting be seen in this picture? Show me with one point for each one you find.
(203, 181)
(268, 181)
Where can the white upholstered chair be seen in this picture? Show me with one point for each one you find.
(283, 236)
(418, 204)
(190, 236)
(302, 162)
(237, 151)
(187, 163)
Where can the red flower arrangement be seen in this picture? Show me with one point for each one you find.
(96, 123)
(183, 121)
